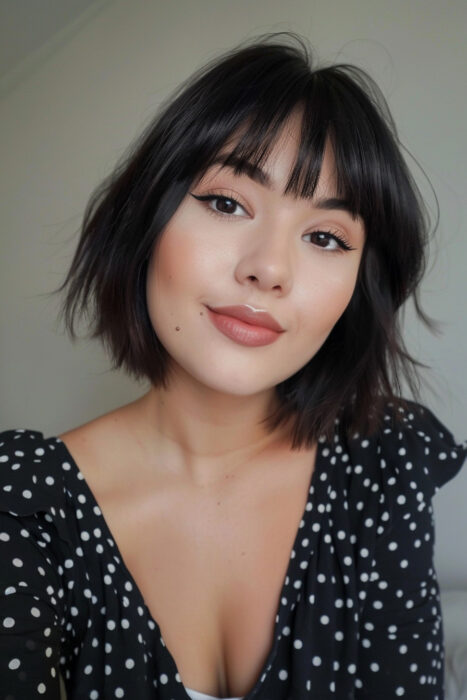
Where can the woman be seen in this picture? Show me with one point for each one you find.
(259, 523)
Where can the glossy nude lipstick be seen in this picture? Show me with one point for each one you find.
(245, 325)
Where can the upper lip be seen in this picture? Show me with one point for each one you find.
(248, 314)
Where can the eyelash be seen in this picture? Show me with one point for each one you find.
(331, 235)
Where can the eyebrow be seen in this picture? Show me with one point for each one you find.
(257, 174)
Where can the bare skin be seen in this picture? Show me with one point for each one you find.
(209, 555)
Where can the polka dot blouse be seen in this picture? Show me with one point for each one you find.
(359, 612)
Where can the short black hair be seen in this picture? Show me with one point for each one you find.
(254, 89)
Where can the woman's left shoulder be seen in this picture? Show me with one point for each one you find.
(418, 444)
(416, 448)
(418, 439)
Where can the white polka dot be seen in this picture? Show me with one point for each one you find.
(298, 644)
(41, 688)
(88, 669)
(35, 612)
(163, 678)
(324, 619)
(4, 537)
(14, 664)
(119, 692)
(400, 691)
(17, 562)
(129, 663)
(8, 622)
(283, 675)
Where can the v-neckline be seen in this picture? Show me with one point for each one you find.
(309, 508)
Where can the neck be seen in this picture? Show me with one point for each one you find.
(201, 433)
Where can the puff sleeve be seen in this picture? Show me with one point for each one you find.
(31, 591)
(401, 649)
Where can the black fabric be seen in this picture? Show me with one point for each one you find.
(359, 613)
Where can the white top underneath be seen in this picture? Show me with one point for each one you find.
(195, 695)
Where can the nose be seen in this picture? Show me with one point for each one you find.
(267, 263)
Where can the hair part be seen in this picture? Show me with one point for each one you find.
(243, 99)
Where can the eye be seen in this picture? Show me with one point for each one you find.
(221, 205)
(329, 240)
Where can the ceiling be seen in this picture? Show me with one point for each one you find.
(27, 25)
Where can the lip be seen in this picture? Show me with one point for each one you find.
(248, 314)
(245, 327)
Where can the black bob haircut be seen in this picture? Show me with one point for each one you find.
(252, 91)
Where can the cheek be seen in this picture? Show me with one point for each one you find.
(183, 266)
(325, 296)
(170, 268)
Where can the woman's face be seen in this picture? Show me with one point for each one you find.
(249, 245)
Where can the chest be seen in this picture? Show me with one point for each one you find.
(210, 566)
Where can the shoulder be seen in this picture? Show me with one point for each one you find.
(397, 470)
(414, 441)
(31, 468)
(102, 449)
(393, 476)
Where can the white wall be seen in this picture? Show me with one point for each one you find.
(69, 117)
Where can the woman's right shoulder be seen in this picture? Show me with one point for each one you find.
(24, 446)
(32, 468)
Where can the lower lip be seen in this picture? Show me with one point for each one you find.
(243, 333)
